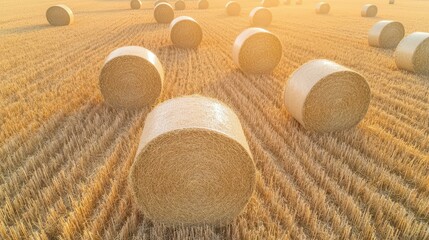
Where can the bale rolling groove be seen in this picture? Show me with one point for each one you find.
(325, 97)
(233, 8)
(163, 13)
(322, 8)
(207, 176)
(60, 15)
(135, 4)
(257, 51)
(66, 155)
(412, 53)
(185, 32)
(131, 78)
(386, 34)
(369, 10)
(203, 4)
(180, 5)
(260, 17)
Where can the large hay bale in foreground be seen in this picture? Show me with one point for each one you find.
(135, 4)
(185, 32)
(260, 17)
(257, 51)
(163, 13)
(369, 10)
(193, 163)
(324, 96)
(233, 8)
(412, 53)
(203, 4)
(180, 5)
(131, 78)
(59, 15)
(386, 34)
(270, 3)
(322, 8)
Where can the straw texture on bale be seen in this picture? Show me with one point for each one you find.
(131, 78)
(369, 10)
(135, 4)
(386, 34)
(163, 13)
(270, 3)
(203, 4)
(185, 32)
(257, 51)
(59, 15)
(179, 5)
(233, 8)
(323, 8)
(158, 2)
(260, 17)
(324, 96)
(412, 53)
(193, 163)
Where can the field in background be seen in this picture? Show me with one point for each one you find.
(65, 155)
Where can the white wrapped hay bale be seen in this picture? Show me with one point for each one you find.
(185, 32)
(193, 163)
(260, 17)
(59, 15)
(322, 8)
(386, 34)
(257, 51)
(412, 53)
(203, 4)
(179, 5)
(163, 13)
(369, 10)
(324, 96)
(135, 4)
(233, 8)
(131, 78)
(270, 3)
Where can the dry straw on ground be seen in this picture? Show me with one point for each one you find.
(131, 78)
(233, 8)
(203, 4)
(260, 17)
(193, 163)
(322, 8)
(324, 96)
(135, 4)
(59, 15)
(163, 13)
(257, 51)
(185, 32)
(270, 3)
(369, 10)
(386, 34)
(180, 5)
(412, 53)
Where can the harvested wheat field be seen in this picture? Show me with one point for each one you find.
(66, 155)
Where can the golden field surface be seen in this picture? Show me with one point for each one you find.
(65, 156)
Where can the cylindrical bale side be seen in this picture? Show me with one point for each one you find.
(386, 34)
(322, 8)
(369, 10)
(412, 53)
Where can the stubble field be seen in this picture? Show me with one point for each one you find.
(65, 156)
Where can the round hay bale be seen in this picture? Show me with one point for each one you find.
(260, 17)
(179, 5)
(158, 2)
(131, 78)
(287, 2)
(298, 2)
(391, 1)
(323, 8)
(270, 3)
(203, 4)
(324, 96)
(369, 10)
(163, 13)
(193, 164)
(59, 15)
(233, 8)
(257, 51)
(135, 4)
(185, 32)
(412, 53)
(386, 34)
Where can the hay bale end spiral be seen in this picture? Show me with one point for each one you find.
(185, 32)
(59, 15)
(163, 13)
